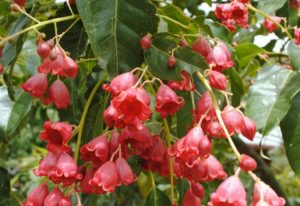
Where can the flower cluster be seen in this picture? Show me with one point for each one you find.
(55, 62)
(232, 14)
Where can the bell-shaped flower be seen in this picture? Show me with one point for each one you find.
(213, 169)
(120, 83)
(37, 196)
(220, 58)
(36, 85)
(125, 172)
(106, 177)
(247, 163)
(96, 150)
(231, 192)
(265, 193)
(233, 119)
(185, 84)
(86, 188)
(217, 80)
(59, 94)
(189, 199)
(201, 46)
(248, 128)
(269, 25)
(167, 101)
(198, 190)
(57, 198)
(47, 165)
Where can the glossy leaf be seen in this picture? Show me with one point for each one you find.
(290, 128)
(115, 28)
(157, 57)
(245, 52)
(271, 6)
(270, 96)
(237, 87)
(293, 52)
(157, 198)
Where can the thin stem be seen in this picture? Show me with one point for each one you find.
(141, 77)
(174, 21)
(193, 100)
(41, 24)
(84, 114)
(69, 6)
(152, 179)
(219, 116)
(28, 15)
(171, 165)
(87, 60)
(115, 152)
(249, 6)
(56, 33)
(68, 29)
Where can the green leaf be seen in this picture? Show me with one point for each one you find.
(182, 186)
(115, 27)
(4, 187)
(270, 96)
(293, 52)
(251, 69)
(271, 6)
(157, 198)
(219, 31)
(237, 87)
(245, 52)
(184, 115)
(12, 113)
(290, 128)
(158, 54)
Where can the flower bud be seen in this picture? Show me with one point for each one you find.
(217, 80)
(247, 163)
(145, 42)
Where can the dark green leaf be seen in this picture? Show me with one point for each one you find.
(270, 6)
(290, 127)
(182, 186)
(219, 31)
(237, 87)
(184, 115)
(270, 96)
(251, 69)
(293, 52)
(157, 58)
(157, 198)
(115, 28)
(4, 187)
(245, 52)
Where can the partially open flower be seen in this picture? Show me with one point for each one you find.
(190, 199)
(263, 193)
(57, 198)
(247, 163)
(37, 196)
(59, 94)
(220, 57)
(233, 119)
(184, 85)
(248, 128)
(167, 101)
(217, 80)
(201, 46)
(125, 172)
(269, 25)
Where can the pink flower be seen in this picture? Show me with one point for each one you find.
(213, 169)
(184, 85)
(96, 150)
(297, 36)
(217, 80)
(247, 163)
(201, 46)
(124, 171)
(220, 57)
(231, 192)
(106, 177)
(86, 188)
(248, 128)
(167, 101)
(263, 193)
(120, 83)
(36, 85)
(233, 119)
(269, 25)
(190, 199)
(37, 196)
(198, 190)
(59, 94)
(57, 198)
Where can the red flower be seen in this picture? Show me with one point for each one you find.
(106, 177)
(59, 64)
(167, 101)
(247, 163)
(220, 57)
(190, 199)
(65, 171)
(269, 25)
(36, 85)
(156, 151)
(240, 14)
(201, 46)
(248, 128)
(217, 80)
(124, 171)
(59, 94)
(195, 144)
(233, 119)
(231, 192)
(198, 190)
(21, 3)
(132, 104)
(213, 169)
(297, 36)
(114, 145)
(96, 150)
(57, 198)
(264, 193)
(145, 42)
(184, 85)
(86, 188)
(138, 140)
(224, 11)
(37, 196)
(47, 165)
(57, 135)
(120, 83)
(295, 4)
(214, 129)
